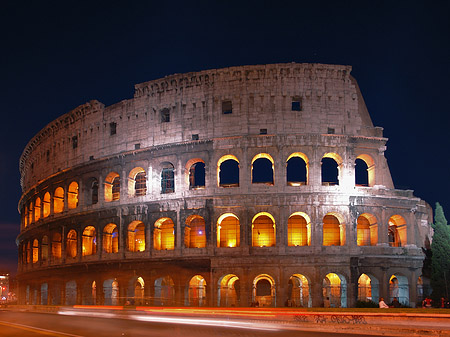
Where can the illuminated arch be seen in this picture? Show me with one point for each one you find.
(111, 292)
(368, 288)
(58, 200)
(229, 291)
(37, 209)
(197, 291)
(46, 205)
(71, 244)
(194, 173)
(397, 231)
(112, 187)
(56, 245)
(366, 230)
(164, 234)
(35, 251)
(263, 230)
(164, 291)
(194, 232)
(264, 291)
(89, 241)
(72, 195)
(333, 229)
(137, 182)
(331, 172)
(228, 231)
(297, 169)
(334, 291)
(228, 176)
(136, 236)
(299, 290)
(399, 288)
(110, 238)
(299, 229)
(370, 173)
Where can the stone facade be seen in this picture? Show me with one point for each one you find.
(228, 187)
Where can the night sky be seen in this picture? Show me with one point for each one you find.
(57, 55)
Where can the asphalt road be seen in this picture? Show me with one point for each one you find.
(74, 325)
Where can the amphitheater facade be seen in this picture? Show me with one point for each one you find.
(254, 185)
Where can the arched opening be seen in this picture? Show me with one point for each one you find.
(111, 292)
(164, 291)
(197, 291)
(89, 243)
(167, 178)
(112, 187)
(297, 169)
(71, 244)
(364, 170)
(56, 245)
(44, 294)
(44, 248)
(137, 182)
(366, 230)
(331, 163)
(262, 169)
(37, 209)
(138, 288)
(197, 175)
(94, 293)
(299, 290)
(46, 204)
(334, 291)
(399, 288)
(30, 213)
(89, 293)
(263, 291)
(35, 251)
(333, 230)
(72, 195)
(71, 293)
(397, 231)
(263, 230)
(110, 238)
(25, 216)
(368, 288)
(164, 234)
(299, 230)
(423, 289)
(58, 200)
(228, 171)
(28, 252)
(136, 236)
(94, 192)
(194, 232)
(229, 291)
(228, 231)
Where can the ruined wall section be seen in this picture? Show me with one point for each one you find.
(261, 99)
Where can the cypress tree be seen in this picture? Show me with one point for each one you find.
(440, 259)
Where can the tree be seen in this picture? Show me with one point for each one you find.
(440, 259)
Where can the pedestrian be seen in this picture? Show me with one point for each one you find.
(382, 304)
(395, 303)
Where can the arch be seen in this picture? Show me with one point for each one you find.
(25, 216)
(334, 289)
(37, 209)
(195, 173)
(111, 292)
(331, 163)
(262, 170)
(399, 288)
(46, 205)
(137, 182)
(228, 231)
(44, 248)
(299, 229)
(30, 213)
(112, 187)
(56, 245)
(194, 232)
(44, 294)
(72, 195)
(136, 294)
(164, 291)
(28, 252)
(167, 178)
(89, 292)
(397, 231)
(229, 291)
(94, 192)
(71, 244)
(71, 293)
(35, 251)
(136, 236)
(197, 291)
(89, 241)
(164, 234)
(366, 230)
(297, 169)
(263, 230)
(333, 229)
(228, 171)
(368, 288)
(365, 174)
(263, 293)
(58, 200)
(299, 290)
(110, 238)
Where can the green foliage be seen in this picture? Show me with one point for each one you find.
(366, 304)
(440, 260)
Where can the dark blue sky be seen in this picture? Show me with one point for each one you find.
(57, 55)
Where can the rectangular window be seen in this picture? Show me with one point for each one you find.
(137, 146)
(330, 131)
(227, 107)
(112, 128)
(195, 136)
(74, 142)
(296, 104)
(165, 115)
(263, 131)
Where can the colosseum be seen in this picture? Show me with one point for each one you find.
(255, 185)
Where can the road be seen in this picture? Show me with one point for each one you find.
(134, 325)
